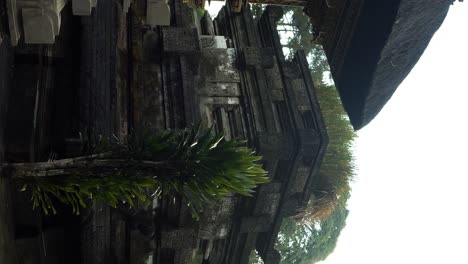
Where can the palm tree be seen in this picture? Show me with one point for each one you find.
(201, 166)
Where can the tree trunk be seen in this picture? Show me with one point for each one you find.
(95, 165)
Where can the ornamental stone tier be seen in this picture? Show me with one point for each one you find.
(39, 21)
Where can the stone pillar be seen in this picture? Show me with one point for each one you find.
(158, 13)
(83, 7)
(41, 20)
(257, 57)
(13, 22)
(183, 240)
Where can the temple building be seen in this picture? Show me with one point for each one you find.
(231, 73)
(118, 65)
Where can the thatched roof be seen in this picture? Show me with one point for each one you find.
(387, 40)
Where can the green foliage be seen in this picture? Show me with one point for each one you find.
(211, 167)
(200, 166)
(299, 25)
(257, 10)
(74, 190)
(254, 258)
(337, 168)
(305, 243)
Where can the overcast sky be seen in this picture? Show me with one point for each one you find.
(409, 201)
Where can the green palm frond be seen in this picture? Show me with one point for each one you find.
(199, 165)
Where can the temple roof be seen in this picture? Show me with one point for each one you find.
(373, 45)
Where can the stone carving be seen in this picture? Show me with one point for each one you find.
(275, 83)
(300, 93)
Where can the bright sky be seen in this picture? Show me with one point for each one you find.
(409, 202)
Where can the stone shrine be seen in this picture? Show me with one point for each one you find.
(118, 65)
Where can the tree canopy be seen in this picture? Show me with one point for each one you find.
(308, 242)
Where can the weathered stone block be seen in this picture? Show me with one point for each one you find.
(302, 175)
(206, 24)
(39, 26)
(289, 207)
(291, 70)
(213, 42)
(178, 238)
(158, 13)
(219, 65)
(220, 89)
(275, 143)
(257, 57)
(271, 187)
(300, 94)
(267, 204)
(177, 39)
(255, 224)
(275, 83)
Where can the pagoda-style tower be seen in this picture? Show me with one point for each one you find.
(371, 45)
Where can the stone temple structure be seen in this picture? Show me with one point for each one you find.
(118, 65)
(39, 21)
(115, 70)
(231, 73)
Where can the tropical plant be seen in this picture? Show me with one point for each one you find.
(200, 166)
(308, 242)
